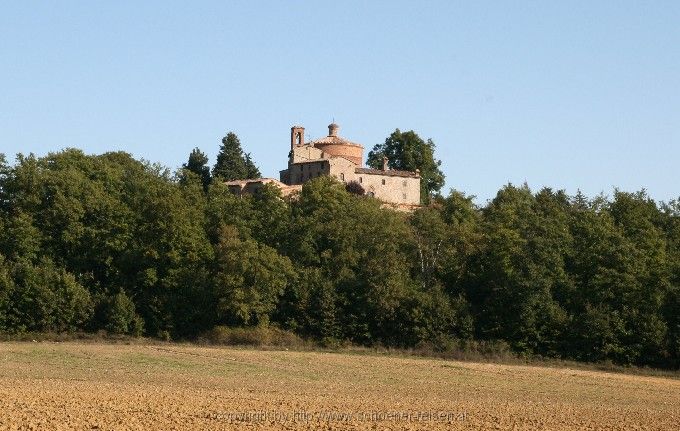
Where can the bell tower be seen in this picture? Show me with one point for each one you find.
(297, 136)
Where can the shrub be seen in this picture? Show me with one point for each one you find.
(121, 317)
(42, 297)
(252, 336)
(355, 188)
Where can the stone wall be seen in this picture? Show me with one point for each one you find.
(389, 186)
(298, 173)
(305, 153)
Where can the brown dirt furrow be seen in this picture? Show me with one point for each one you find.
(120, 387)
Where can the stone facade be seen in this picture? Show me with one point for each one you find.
(343, 160)
(250, 187)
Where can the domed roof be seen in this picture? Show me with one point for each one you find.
(333, 138)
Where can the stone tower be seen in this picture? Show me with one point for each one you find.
(297, 136)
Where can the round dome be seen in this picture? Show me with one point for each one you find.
(336, 146)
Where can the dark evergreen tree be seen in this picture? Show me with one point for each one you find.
(198, 164)
(251, 170)
(232, 163)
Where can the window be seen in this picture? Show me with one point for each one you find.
(342, 177)
(404, 196)
(383, 181)
(361, 180)
(403, 183)
(298, 138)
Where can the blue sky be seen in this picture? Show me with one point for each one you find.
(573, 95)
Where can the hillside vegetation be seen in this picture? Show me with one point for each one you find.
(107, 242)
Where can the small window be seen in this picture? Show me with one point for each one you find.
(361, 180)
(404, 196)
(342, 177)
(403, 183)
(383, 181)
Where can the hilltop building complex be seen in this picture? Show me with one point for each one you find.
(342, 159)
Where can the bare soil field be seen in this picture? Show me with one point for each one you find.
(64, 386)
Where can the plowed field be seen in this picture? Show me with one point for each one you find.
(46, 386)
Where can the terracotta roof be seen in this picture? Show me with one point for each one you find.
(334, 140)
(389, 173)
(255, 180)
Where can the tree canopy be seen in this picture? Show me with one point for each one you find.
(407, 151)
(107, 242)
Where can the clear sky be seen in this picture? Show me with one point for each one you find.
(574, 95)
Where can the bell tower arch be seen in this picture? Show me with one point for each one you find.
(297, 136)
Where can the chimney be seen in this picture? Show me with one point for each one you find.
(385, 160)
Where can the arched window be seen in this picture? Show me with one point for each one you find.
(298, 138)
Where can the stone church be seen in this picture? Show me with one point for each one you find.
(342, 159)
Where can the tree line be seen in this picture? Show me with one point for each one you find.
(107, 242)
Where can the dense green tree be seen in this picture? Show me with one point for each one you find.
(198, 165)
(431, 240)
(619, 267)
(464, 234)
(250, 277)
(671, 306)
(252, 170)
(113, 221)
(6, 289)
(5, 171)
(271, 217)
(359, 248)
(640, 221)
(225, 208)
(232, 163)
(42, 297)
(409, 152)
(513, 291)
